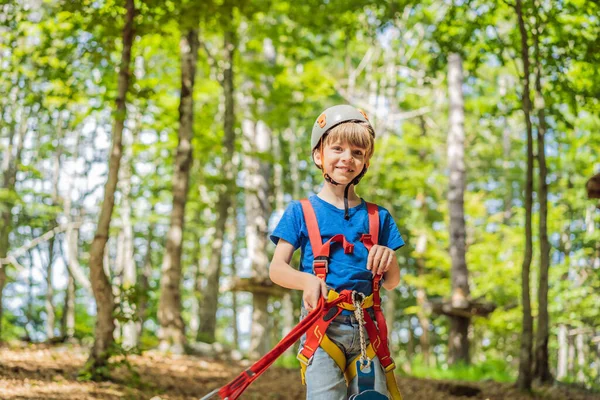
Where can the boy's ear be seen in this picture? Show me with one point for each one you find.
(317, 157)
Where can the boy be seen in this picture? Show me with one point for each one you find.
(342, 144)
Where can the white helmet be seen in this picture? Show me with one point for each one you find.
(334, 116)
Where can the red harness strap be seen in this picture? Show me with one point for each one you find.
(236, 387)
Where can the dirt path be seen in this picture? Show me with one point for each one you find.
(39, 372)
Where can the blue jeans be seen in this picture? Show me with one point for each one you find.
(324, 380)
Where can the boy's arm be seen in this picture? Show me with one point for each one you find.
(284, 275)
(392, 276)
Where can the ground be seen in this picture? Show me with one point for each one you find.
(50, 372)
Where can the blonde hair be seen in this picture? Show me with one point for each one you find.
(357, 134)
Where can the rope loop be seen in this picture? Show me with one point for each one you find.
(359, 315)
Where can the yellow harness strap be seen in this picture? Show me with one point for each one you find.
(333, 295)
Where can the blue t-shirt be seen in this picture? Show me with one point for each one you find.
(346, 271)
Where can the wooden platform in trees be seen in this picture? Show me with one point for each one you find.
(468, 309)
(255, 285)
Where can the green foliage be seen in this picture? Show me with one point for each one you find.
(495, 370)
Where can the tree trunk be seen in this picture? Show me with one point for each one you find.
(287, 306)
(421, 314)
(50, 310)
(571, 356)
(11, 166)
(542, 365)
(580, 345)
(101, 286)
(257, 139)
(30, 325)
(525, 357)
(208, 311)
(420, 249)
(67, 323)
(171, 334)
(49, 303)
(235, 248)
(561, 368)
(458, 346)
(129, 272)
(144, 278)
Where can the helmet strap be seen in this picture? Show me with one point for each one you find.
(354, 182)
(346, 212)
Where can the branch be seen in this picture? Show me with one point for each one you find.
(367, 57)
(75, 270)
(40, 239)
(392, 117)
(12, 260)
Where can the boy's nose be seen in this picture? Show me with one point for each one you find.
(346, 155)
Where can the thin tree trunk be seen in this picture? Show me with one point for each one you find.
(420, 250)
(49, 303)
(525, 357)
(422, 300)
(172, 329)
(571, 356)
(257, 138)
(563, 346)
(129, 272)
(235, 248)
(459, 326)
(145, 276)
(287, 305)
(10, 176)
(208, 311)
(579, 344)
(101, 286)
(542, 365)
(67, 323)
(30, 325)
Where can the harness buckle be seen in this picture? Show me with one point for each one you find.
(321, 262)
(303, 360)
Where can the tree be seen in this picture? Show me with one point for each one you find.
(458, 347)
(209, 305)
(172, 334)
(525, 356)
(541, 364)
(258, 208)
(101, 286)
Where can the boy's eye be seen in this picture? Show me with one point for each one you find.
(358, 152)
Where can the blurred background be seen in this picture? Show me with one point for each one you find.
(149, 147)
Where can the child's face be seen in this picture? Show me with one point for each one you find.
(342, 161)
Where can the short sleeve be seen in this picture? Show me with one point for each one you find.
(289, 227)
(390, 235)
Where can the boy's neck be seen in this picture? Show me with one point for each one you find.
(334, 195)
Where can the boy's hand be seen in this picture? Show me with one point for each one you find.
(314, 289)
(380, 259)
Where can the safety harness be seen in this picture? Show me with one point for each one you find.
(315, 324)
(316, 336)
